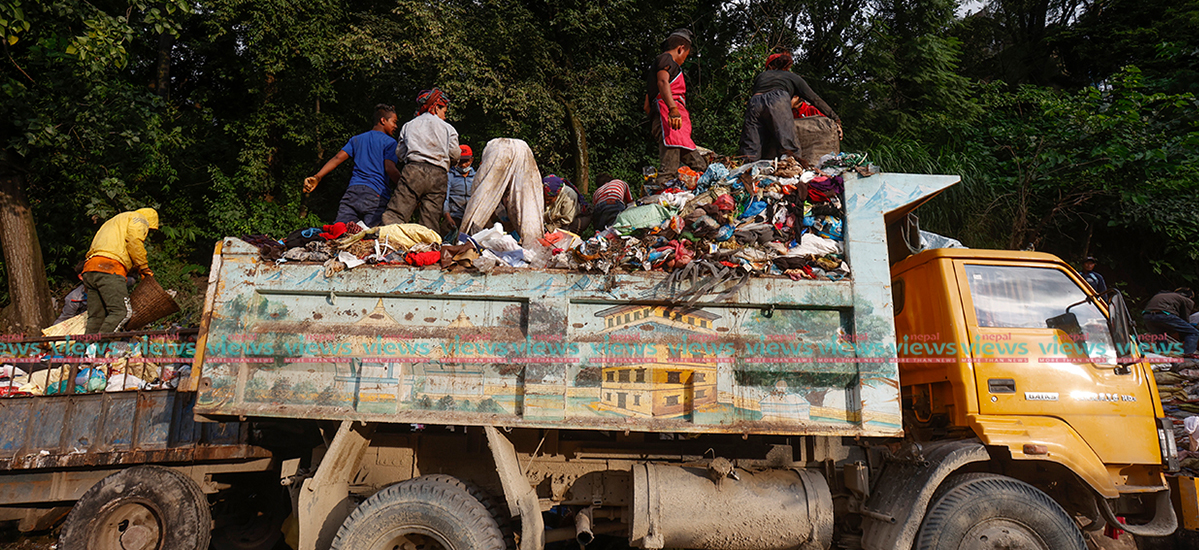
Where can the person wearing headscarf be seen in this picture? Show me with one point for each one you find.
(428, 146)
(562, 202)
(769, 120)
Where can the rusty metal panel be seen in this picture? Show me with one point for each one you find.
(135, 427)
(562, 349)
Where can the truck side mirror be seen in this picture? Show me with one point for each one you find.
(1067, 322)
(1120, 323)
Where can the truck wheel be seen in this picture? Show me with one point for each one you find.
(422, 513)
(140, 508)
(988, 511)
(495, 509)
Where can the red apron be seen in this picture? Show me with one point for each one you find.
(683, 136)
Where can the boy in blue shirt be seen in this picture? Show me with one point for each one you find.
(375, 171)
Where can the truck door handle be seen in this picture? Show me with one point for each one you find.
(1002, 385)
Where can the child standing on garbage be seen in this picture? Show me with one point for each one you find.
(428, 145)
(666, 105)
(769, 120)
(370, 187)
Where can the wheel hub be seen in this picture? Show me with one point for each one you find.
(129, 526)
(1002, 534)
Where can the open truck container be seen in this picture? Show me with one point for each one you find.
(671, 413)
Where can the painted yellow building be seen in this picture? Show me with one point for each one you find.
(670, 383)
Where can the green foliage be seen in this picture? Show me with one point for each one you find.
(263, 92)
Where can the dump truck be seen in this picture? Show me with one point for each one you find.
(127, 469)
(951, 398)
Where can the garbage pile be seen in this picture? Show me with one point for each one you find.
(770, 217)
(120, 368)
(1177, 389)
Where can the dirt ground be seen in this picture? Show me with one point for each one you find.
(12, 541)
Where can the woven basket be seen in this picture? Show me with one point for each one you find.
(150, 303)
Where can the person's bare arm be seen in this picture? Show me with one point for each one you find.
(390, 169)
(311, 182)
(664, 90)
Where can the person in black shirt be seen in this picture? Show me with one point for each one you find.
(769, 112)
(666, 105)
(1168, 312)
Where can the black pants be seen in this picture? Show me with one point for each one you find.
(768, 121)
(420, 183)
(671, 158)
(361, 202)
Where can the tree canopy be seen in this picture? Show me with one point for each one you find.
(1072, 122)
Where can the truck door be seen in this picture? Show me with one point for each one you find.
(1031, 359)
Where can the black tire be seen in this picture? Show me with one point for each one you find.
(144, 507)
(498, 510)
(988, 511)
(435, 512)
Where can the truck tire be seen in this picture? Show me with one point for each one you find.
(988, 511)
(424, 512)
(498, 511)
(142, 508)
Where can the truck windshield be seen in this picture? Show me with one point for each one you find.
(1027, 297)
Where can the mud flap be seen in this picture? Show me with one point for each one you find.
(521, 498)
(1163, 524)
(899, 499)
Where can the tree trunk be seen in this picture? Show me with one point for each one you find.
(579, 152)
(162, 72)
(27, 287)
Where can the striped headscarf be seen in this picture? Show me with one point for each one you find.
(428, 100)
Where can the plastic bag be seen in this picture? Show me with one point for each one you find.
(716, 173)
(688, 177)
(496, 240)
(754, 208)
(640, 217)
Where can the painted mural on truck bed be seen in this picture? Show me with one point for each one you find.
(553, 348)
(393, 355)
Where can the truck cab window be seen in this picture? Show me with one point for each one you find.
(1027, 297)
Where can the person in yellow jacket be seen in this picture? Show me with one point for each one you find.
(117, 250)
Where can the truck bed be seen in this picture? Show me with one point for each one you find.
(559, 349)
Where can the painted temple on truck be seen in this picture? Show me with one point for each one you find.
(670, 383)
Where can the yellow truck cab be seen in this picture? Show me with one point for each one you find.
(1015, 349)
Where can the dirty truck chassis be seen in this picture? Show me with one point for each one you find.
(645, 487)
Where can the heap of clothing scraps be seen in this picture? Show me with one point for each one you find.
(767, 218)
(1177, 389)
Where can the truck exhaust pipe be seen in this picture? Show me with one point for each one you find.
(680, 507)
(583, 527)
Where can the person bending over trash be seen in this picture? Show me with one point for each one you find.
(370, 187)
(460, 181)
(769, 120)
(610, 200)
(117, 249)
(563, 204)
(1168, 312)
(666, 105)
(428, 145)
